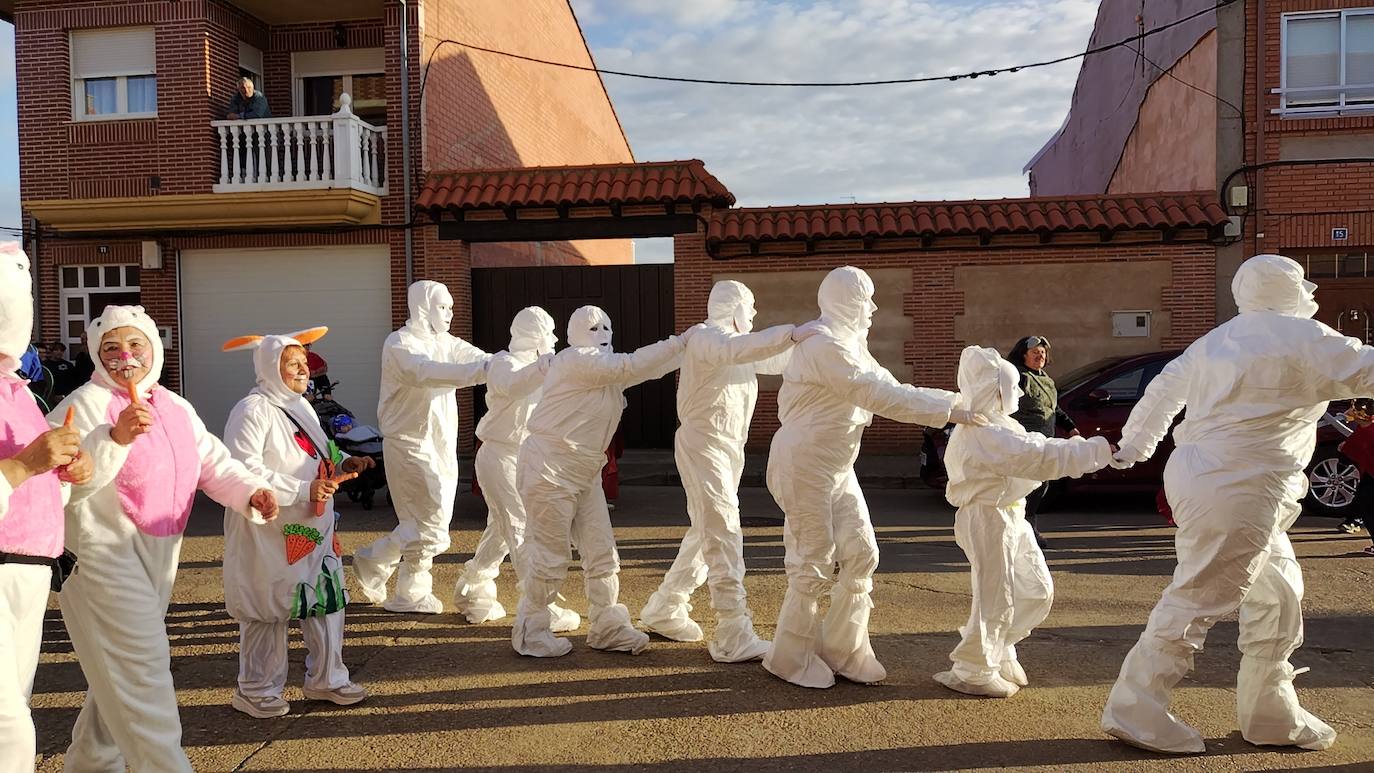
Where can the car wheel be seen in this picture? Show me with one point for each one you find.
(1333, 480)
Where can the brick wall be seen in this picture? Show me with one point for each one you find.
(933, 349)
(1296, 207)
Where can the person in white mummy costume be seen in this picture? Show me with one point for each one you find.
(991, 471)
(559, 479)
(1253, 388)
(422, 365)
(831, 389)
(292, 568)
(151, 454)
(716, 393)
(35, 460)
(514, 384)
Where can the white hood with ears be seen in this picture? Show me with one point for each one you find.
(424, 299)
(1273, 283)
(590, 326)
(532, 331)
(113, 318)
(16, 305)
(731, 305)
(846, 301)
(988, 384)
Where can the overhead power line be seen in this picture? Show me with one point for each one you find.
(823, 84)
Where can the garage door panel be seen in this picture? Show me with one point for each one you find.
(226, 293)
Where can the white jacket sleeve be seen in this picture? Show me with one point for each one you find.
(514, 380)
(1035, 457)
(88, 419)
(1152, 416)
(744, 348)
(246, 437)
(222, 477)
(1342, 367)
(418, 370)
(878, 391)
(626, 370)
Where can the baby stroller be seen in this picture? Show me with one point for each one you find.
(361, 440)
(353, 439)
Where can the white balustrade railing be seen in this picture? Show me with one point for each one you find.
(332, 151)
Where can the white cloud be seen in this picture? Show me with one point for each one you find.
(782, 146)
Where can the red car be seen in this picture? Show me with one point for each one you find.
(1099, 397)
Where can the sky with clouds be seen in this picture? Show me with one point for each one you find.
(775, 146)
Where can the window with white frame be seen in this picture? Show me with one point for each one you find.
(87, 290)
(1328, 62)
(114, 73)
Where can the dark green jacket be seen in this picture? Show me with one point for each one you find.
(1039, 407)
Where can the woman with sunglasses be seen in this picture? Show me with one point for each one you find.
(1039, 411)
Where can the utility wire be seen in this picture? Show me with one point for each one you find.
(1192, 86)
(820, 84)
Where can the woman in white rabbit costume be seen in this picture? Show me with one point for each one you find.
(290, 569)
(991, 470)
(151, 453)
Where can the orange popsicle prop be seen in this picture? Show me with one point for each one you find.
(133, 392)
(71, 416)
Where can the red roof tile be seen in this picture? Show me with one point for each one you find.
(955, 218)
(668, 182)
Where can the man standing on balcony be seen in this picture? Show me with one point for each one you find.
(247, 103)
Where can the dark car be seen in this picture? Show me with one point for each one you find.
(1099, 397)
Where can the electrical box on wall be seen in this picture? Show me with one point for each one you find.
(152, 256)
(1130, 324)
(165, 333)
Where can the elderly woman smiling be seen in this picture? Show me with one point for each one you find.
(151, 452)
(290, 569)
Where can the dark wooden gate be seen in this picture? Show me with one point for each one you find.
(638, 298)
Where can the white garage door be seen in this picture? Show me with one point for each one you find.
(227, 293)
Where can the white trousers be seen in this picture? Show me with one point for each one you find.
(423, 490)
(23, 599)
(1012, 589)
(263, 655)
(713, 548)
(115, 608)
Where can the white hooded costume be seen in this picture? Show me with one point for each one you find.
(559, 479)
(715, 402)
(291, 568)
(422, 365)
(127, 532)
(1253, 389)
(991, 471)
(514, 385)
(31, 521)
(831, 389)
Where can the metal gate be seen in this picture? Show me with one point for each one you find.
(638, 298)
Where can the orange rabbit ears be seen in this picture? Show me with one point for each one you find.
(242, 343)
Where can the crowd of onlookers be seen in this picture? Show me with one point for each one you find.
(51, 374)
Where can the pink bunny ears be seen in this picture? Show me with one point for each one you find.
(308, 336)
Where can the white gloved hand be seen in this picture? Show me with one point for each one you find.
(1126, 457)
(802, 332)
(545, 362)
(961, 416)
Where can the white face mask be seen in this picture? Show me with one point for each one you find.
(589, 326)
(441, 313)
(744, 316)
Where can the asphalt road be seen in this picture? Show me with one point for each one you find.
(451, 696)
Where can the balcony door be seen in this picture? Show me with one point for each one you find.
(321, 77)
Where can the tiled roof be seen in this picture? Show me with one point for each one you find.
(955, 218)
(668, 182)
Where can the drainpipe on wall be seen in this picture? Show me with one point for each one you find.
(1259, 122)
(34, 272)
(405, 139)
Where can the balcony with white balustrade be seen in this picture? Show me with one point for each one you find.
(301, 153)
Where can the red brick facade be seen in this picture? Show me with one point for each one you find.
(197, 69)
